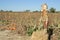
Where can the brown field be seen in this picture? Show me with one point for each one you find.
(22, 20)
(25, 19)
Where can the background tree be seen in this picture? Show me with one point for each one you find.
(10, 11)
(2, 10)
(27, 11)
(53, 10)
(36, 11)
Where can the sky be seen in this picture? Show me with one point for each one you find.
(32, 5)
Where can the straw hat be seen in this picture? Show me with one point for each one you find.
(44, 6)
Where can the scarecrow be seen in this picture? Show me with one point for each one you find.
(44, 16)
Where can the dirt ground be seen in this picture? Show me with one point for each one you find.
(7, 35)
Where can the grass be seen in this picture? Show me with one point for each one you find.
(26, 18)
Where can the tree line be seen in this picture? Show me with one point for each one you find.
(51, 10)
